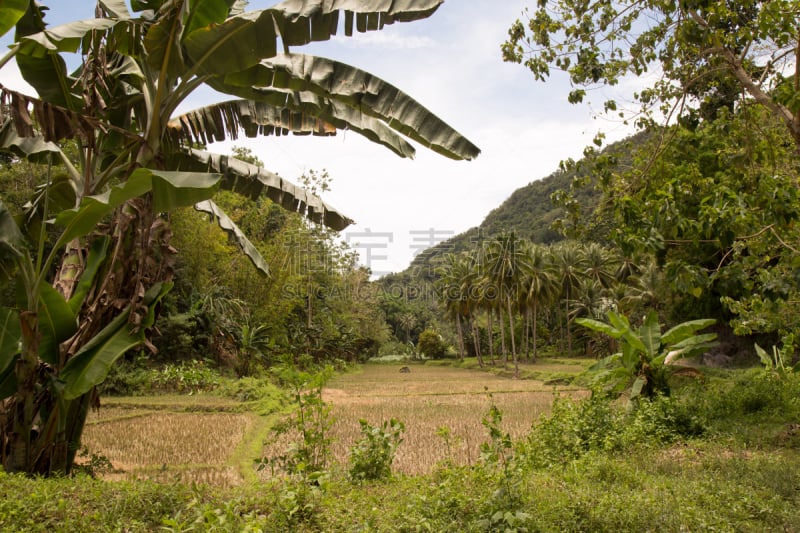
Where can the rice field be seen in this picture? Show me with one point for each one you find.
(206, 439)
(167, 446)
(430, 401)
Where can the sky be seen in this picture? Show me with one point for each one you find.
(452, 64)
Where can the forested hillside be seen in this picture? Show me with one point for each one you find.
(535, 212)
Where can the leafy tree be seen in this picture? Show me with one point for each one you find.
(136, 160)
(707, 53)
(431, 344)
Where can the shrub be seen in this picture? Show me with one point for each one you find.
(371, 457)
(186, 376)
(431, 344)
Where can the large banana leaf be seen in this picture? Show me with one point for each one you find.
(233, 231)
(90, 366)
(278, 113)
(11, 243)
(303, 21)
(253, 182)
(57, 322)
(170, 190)
(46, 72)
(685, 330)
(34, 148)
(10, 335)
(352, 86)
(115, 8)
(243, 40)
(97, 254)
(650, 334)
(10, 12)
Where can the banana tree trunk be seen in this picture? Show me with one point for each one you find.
(22, 405)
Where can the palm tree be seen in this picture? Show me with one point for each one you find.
(505, 260)
(451, 273)
(538, 286)
(137, 160)
(407, 321)
(598, 262)
(569, 265)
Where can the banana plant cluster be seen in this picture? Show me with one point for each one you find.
(643, 364)
(90, 257)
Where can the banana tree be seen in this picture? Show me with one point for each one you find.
(91, 255)
(643, 364)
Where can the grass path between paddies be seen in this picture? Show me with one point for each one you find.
(215, 440)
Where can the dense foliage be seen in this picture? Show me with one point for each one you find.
(90, 257)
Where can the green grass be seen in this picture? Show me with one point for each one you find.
(623, 473)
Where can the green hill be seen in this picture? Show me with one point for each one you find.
(529, 211)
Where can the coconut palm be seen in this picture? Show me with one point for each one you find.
(538, 286)
(569, 265)
(505, 262)
(137, 159)
(450, 275)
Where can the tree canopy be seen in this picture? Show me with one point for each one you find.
(705, 55)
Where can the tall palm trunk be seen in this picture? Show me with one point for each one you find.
(490, 324)
(503, 351)
(534, 320)
(476, 339)
(460, 331)
(511, 334)
(566, 318)
(527, 334)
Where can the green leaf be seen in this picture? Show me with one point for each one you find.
(63, 38)
(253, 182)
(34, 149)
(162, 44)
(57, 322)
(46, 72)
(80, 221)
(11, 244)
(10, 337)
(638, 385)
(10, 13)
(766, 359)
(90, 366)
(650, 334)
(600, 327)
(206, 12)
(97, 254)
(357, 89)
(278, 113)
(243, 40)
(235, 233)
(684, 330)
(170, 190)
(8, 380)
(115, 8)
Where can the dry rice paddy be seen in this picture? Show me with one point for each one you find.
(429, 398)
(200, 438)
